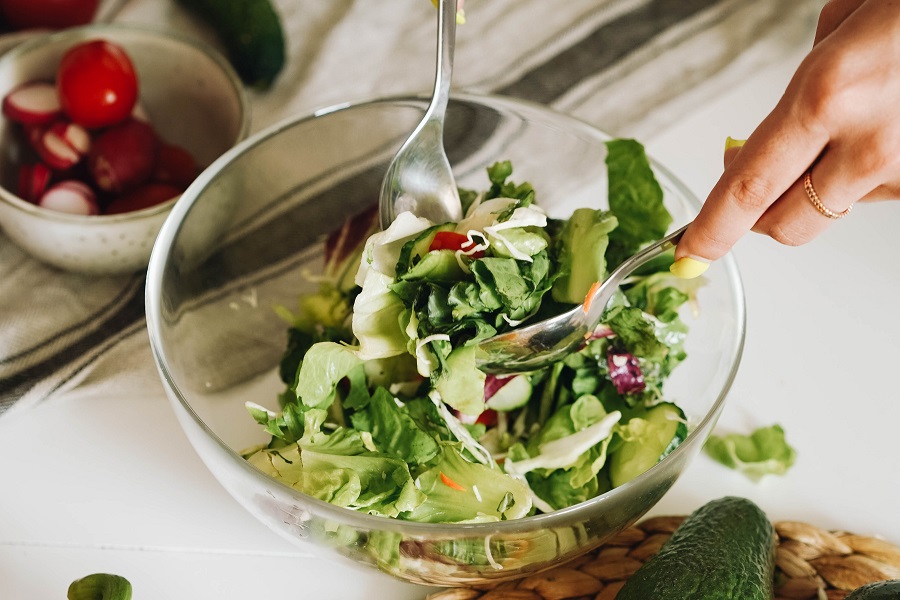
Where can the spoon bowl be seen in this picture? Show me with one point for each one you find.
(419, 178)
(539, 344)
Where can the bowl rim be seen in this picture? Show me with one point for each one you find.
(349, 517)
(84, 32)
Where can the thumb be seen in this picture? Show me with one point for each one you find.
(732, 149)
(688, 267)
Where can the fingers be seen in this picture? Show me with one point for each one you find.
(749, 184)
(838, 180)
(836, 116)
(833, 14)
(794, 219)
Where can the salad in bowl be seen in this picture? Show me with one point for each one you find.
(385, 410)
(326, 372)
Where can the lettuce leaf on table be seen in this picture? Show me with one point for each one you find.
(765, 451)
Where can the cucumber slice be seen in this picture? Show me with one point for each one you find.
(514, 394)
(668, 429)
(437, 265)
(414, 250)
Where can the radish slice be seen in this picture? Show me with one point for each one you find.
(61, 145)
(71, 197)
(32, 104)
(73, 135)
(33, 181)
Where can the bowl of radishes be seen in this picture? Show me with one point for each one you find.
(102, 128)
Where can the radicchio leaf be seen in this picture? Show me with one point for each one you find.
(625, 372)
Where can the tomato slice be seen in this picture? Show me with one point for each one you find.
(97, 84)
(488, 418)
(450, 240)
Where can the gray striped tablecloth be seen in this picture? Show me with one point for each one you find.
(627, 66)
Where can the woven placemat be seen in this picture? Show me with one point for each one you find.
(811, 564)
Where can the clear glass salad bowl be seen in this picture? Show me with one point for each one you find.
(248, 237)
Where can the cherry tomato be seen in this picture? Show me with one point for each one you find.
(49, 14)
(450, 240)
(97, 84)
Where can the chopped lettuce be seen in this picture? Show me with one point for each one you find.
(384, 410)
(635, 198)
(460, 491)
(582, 253)
(763, 452)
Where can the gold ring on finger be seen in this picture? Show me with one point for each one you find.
(817, 202)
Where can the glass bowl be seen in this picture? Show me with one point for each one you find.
(247, 235)
(193, 98)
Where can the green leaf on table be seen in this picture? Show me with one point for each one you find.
(763, 452)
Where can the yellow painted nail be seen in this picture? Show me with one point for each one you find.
(730, 143)
(688, 268)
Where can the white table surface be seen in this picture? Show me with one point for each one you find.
(111, 484)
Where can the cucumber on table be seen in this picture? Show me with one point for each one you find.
(250, 31)
(725, 550)
(880, 590)
(667, 428)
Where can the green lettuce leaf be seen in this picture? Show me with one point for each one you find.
(581, 249)
(378, 318)
(635, 198)
(636, 332)
(374, 484)
(460, 383)
(394, 432)
(763, 452)
(324, 365)
(459, 491)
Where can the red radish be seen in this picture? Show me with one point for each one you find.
(143, 197)
(47, 14)
(33, 181)
(174, 165)
(71, 197)
(32, 104)
(123, 156)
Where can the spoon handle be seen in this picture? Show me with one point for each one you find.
(604, 292)
(446, 42)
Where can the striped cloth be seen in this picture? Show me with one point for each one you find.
(628, 66)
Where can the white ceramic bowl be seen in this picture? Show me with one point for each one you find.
(193, 98)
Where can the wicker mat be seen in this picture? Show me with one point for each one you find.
(811, 564)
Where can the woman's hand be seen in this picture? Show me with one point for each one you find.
(838, 120)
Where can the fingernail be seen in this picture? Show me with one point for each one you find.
(730, 143)
(688, 268)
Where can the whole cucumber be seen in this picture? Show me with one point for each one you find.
(725, 550)
(250, 31)
(880, 590)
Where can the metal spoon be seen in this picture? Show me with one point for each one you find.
(419, 178)
(537, 345)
